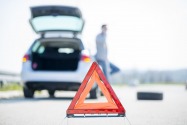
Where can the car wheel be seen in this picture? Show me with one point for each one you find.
(94, 93)
(51, 93)
(149, 95)
(28, 93)
(101, 93)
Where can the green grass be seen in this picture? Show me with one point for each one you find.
(11, 87)
(151, 84)
(15, 86)
(165, 83)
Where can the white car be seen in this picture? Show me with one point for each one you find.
(58, 59)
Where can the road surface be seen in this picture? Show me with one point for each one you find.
(172, 110)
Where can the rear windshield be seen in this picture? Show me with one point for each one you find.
(57, 23)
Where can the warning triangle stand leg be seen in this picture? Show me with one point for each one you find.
(97, 121)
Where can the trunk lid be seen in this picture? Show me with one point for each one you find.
(56, 18)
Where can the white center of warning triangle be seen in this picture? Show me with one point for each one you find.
(81, 104)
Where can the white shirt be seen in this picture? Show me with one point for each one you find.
(101, 47)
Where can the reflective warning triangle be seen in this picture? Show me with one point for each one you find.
(112, 106)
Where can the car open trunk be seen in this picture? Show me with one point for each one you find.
(61, 55)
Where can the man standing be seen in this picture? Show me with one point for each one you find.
(101, 55)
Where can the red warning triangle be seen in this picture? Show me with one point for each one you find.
(113, 106)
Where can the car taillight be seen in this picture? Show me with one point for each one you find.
(85, 58)
(25, 58)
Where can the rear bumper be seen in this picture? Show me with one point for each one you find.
(63, 77)
(67, 86)
(54, 80)
(77, 76)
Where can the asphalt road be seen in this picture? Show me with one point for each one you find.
(172, 110)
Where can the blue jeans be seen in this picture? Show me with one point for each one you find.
(104, 67)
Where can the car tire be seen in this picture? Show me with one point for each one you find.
(94, 94)
(51, 93)
(28, 93)
(149, 95)
(101, 93)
